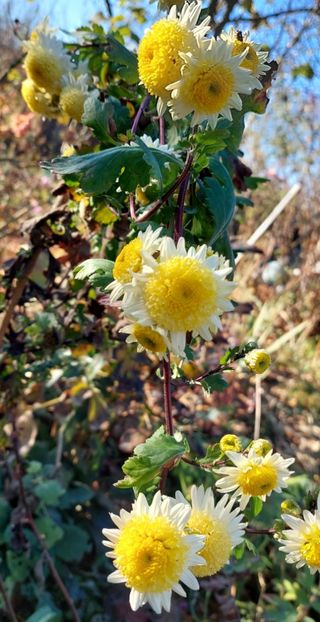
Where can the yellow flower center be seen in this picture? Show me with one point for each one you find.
(258, 479)
(181, 294)
(251, 61)
(310, 550)
(217, 546)
(72, 102)
(129, 260)
(148, 338)
(150, 553)
(158, 55)
(44, 69)
(207, 87)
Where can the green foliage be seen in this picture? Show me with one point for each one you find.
(45, 614)
(97, 271)
(142, 471)
(214, 383)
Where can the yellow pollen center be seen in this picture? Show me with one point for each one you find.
(258, 479)
(44, 69)
(208, 87)
(217, 547)
(251, 61)
(181, 294)
(158, 55)
(150, 553)
(310, 550)
(129, 260)
(72, 102)
(148, 338)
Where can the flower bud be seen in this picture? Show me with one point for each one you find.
(290, 507)
(230, 442)
(257, 361)
(261, 446)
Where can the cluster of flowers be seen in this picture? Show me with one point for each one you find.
(167, 291)
(55, 86)
(156, 546)
(191, 73)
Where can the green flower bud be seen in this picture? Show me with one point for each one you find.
(230, 442)
(261, 446)
(257, 361)
(290, 507)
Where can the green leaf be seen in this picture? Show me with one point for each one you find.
(230, 354)
(45, 614)
(214, 383)
(219, 197)
(49, 491)
(77, 495)
(19, 565)
(254, 182)
(97, 271)
(143, 469)
(125, 60)
(305, 70)
(5, 511)
(73, 545)
(50, 530)
(213, 453)
(239, 551)
(256, 506)
(97, 115)
(126, 166)
(208, 143)
(151, 160)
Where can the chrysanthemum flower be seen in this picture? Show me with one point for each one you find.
(131, 259)
(73, 95)
(159, 61)
(254, 476)
(220, 524)
(255, 59)
(37, 100)
(46, 62)
(151, 552)
(302, 540)
(210, 83)
(258, 361)
(181, 291)
(147, 339)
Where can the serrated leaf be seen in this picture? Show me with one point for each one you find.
(97, 115)
(125, 59)
(214, 383)
(18, 565)
(73, 545)
(45, 614)
(49, 491)
(97, 172)
(144, 467)
(213, 453)
(151, 160)
(97, 271)
(219, 197)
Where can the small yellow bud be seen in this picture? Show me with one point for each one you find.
(37, 100)
(230, 442)
(261, 446)
(141, 197)
(72, 102)
(290, 507)
(257, 361)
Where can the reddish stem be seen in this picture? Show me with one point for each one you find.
(162, 134)
(178, 229)
(132, 207)
(143, 106)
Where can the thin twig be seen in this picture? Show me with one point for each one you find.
(157, 204)
(254, 531)
(143, 106)
(162, 133)
(7, 602)
(261, 18)
(257, 414)
(178, 229)
(18, 291)
(211, 372)
(132, 206)
(167, 396)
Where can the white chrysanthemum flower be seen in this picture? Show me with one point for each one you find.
(210, 83)
(255, 59)
(152, 144)
(220, 524)
(253, 475)
(147, 338)
(159, 60)
(151, 552)
(302, 540)
(46, 61)
(73, 95)
(182, 291)
(131, 260)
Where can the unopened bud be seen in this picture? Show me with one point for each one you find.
(257, 361)
(261, 446)
(230, 442)
(290, 507)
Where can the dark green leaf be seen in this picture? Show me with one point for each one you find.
(50, 530)
(255, 182)
(150, 159)
(127, 166)
(45, 614)
(214, 383)
(219, 197)
(49, 491)
(213, 453)
(19, 565)
(79, 494)
(73, 545)
(97, 115)
(125, 60)
(143, 469)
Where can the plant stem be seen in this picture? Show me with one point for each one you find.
(257, 532)
(157, 204)
(167, 396)
(162, 134)
(11, 614)
(132, 207)
(143, 106)
(178, 229)
(215, 370)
